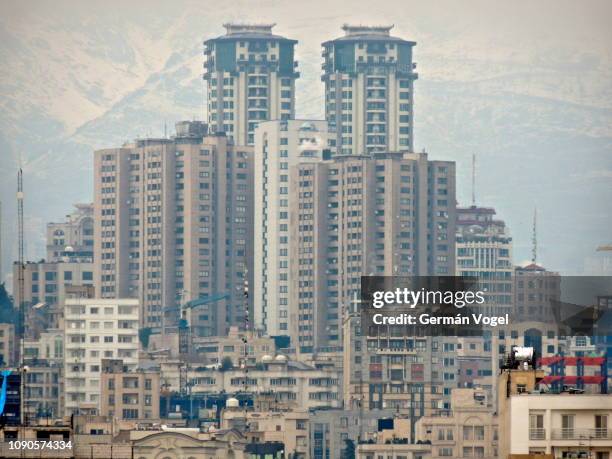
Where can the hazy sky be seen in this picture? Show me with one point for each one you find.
(525, 85)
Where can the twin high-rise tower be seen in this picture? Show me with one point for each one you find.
(368, 76)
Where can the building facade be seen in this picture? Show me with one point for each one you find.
(279, 145)
(562, 425)
(250, 74)
(173, 223)
(73, 237)
(369, 77)
(8, 353)
(96, 329)
(385, 214)
(469, 430)
(130, 395)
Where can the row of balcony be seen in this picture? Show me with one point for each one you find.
(572, 434)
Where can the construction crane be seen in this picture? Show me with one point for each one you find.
(185, 321)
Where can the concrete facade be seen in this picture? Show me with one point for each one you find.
(184, 204)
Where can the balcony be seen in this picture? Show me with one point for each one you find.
(537, 434)
(582, 434)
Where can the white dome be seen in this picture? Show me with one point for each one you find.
(232, 403)
(69, 248)
(280, 358)
(267, 358)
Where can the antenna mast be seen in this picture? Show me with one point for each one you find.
(473, 179)
(21, 282)
(1, 242)
(534, 239)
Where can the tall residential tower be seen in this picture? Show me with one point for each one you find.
(173, 223)
(369, 76)
(250, 74)
(279, 145)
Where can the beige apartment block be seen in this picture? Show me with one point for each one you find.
(369, 77)
(8, 353)
(250, 74)
(173, 223)
(49, 282)
(132, 395)
(468, 430)
(565, 425)
(287, 427)
(72, 237)
(384, 214)
(393, 443)
(293, 385)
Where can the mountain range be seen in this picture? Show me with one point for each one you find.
(525, 87)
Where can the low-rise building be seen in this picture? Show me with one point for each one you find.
(295, 385)
(392, 442)
(565, 425)
(7, 345)
(469, 430)
(334, 432)
(287, 427)
(130, 395)
(96, 329)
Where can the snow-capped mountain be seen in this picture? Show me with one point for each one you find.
(525, 87)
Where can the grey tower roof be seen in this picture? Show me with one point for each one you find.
(249, 31)
(354, 33)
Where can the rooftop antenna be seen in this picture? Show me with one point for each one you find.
(165, 130)
(473, 179)
(534, 238)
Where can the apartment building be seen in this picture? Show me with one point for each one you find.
(536, 289)
(468, 430)
(331, 429)
(47, 285)
(392, 441)
(72, 237)
(564, 425)
(96, 329)
(385, 214)
(173, 223)
(484, 252)
(293, 385)
(8, 353)
(287, 427)
(131, 395)
(369, 77)
(47, 282)
(279, 145)
(44, 390)
(241, 347)
(250, 74)
(411, 375)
